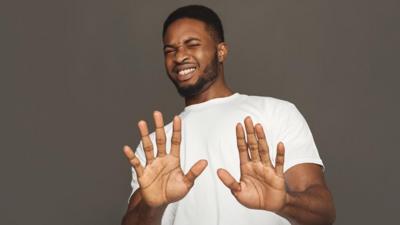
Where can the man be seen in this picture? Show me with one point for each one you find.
(266, 171)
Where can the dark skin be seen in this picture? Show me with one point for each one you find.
(300, 194)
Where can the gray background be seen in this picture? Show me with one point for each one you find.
(76, 76)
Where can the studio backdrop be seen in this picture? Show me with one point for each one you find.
(77, 76)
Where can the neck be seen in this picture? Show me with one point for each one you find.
(218, 89)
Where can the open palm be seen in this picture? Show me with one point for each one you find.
(162, 180)
(261, 185)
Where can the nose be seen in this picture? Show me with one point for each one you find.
(181, 55)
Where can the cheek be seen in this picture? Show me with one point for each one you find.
(168, 64)
(203, 58)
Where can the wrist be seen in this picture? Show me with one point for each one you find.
(286, 203)
(151, 203)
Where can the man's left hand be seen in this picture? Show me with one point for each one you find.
(261, 185)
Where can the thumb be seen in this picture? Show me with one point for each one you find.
(228, 180)
(195, 171)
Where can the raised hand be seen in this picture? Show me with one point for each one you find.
(162, 180)
(261, 185)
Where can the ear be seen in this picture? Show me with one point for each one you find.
(222, 49)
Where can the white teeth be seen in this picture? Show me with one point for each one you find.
(186, 71)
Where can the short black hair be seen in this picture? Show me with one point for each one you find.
(198, 12)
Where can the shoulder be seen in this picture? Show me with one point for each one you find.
(271, 104)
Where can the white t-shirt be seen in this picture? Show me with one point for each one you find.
(208, 132)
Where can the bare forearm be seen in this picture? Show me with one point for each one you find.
(139, 213)
(314, 206)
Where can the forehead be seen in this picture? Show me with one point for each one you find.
(185, 28)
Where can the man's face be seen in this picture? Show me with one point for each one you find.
(190, 56)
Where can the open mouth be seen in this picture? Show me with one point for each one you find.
(186, 74)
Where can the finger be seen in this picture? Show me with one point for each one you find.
(195, 171)
(280, 158)
(146, 142)
(263, 145)
(251, 139)
(160, 133)
(176, 137)
(228, 180)
(241, 144)
(133, 160)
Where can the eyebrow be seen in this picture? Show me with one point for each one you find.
(190, 39)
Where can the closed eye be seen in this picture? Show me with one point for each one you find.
(193, 45)
(168, 51)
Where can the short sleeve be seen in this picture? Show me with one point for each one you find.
(297, 138)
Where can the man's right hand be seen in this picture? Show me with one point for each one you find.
(162, 180)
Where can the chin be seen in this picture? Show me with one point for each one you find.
(188, 83)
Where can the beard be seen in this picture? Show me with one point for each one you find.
(203, 82)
